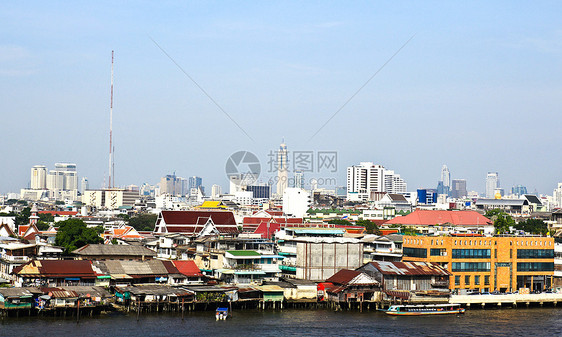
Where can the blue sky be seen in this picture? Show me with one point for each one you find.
(478, 88)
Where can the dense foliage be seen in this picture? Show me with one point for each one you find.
(143, 222)
(533, 226)
(73, 234)
(502, 220)
(370, 226)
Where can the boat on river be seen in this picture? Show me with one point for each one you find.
(424, 309)
(222, 314)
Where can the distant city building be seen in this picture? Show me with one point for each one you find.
(259, 191)
(298, 179)
(427, 196)
(365, 180)
(458, 188)
(216, 191)
(444, 185)
(196, 182)
(492, 183)
(109, 198)
(557, 196)
(519, 190)
(296, 201)
(38, 177)
(84, 185)
(172, 185)
(282, 169)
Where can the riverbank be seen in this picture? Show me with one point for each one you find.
(292, 322)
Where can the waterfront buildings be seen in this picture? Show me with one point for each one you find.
(480, 263)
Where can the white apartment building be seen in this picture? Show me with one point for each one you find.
(365, 179)
(296, 201)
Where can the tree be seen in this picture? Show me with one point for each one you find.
(533, 226)
(370, 226)
(340, 222)
(22, 218)
(143, 222)
(73, 234)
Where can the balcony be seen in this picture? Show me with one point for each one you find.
(14, 259)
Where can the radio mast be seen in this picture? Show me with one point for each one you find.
(111, 165)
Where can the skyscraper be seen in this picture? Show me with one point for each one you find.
(444, 185)
(299, 179)
(492, 183)
(196, 182)
(282, 174)
(364, 179)
(458, 188)
(216, 191)
(38, 177)
(519, 190)
(84, 185)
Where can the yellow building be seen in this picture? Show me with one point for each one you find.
(503, 264)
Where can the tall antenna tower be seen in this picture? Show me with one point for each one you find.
(111, 165)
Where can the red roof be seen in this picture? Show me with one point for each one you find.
(265, 232)
(54, 213)
(188, 268)
(343, 276)
(429, 217)
(59, 268)
(192, 222)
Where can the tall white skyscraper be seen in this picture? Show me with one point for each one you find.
(393, 183)
(282, 169)
(299, 179)
(557, 196)
(492, 183)
(62, 182)
(38, 177)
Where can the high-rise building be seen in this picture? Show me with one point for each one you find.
(427, 196)
(170, 184)
(84, 185)
(557, 196)
(458, 188)
(365, 179)
(519, 190)
(216, 191)
(299, 179)
(393, 183)
(282, 169)
(492, 183)
(259, 191)
(62, 182)
(444, 185)
(196, 182)
(38, 177)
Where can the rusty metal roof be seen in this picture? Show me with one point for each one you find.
(409, 268)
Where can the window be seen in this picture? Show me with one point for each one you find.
(457, 280)
(477, 280)
(535, 266)
(415, 252)
(511, 253)
(471, 253)
(470, 266)
(535, 253)
(466, 279)
(495, 254)
(438, 252)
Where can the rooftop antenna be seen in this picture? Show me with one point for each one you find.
(111, 183)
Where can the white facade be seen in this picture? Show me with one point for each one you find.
(446, 177)
(282, 169)
(393, 183)
(363, 179)
(296, 201)
(110, 198)
(216, 191)
(557, 196)
(492, 183)
(38, 177)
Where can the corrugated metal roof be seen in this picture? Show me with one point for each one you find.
(108, 250)
(409, 268)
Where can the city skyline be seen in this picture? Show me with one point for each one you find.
(472, 83)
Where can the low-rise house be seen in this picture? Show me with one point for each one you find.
(412, 281)
(382, 248)
(249, 266)
(18, 298)
(14, 254)
(297, 290)
(100, 252)
(124, 273)
(196, 223)
(54, 273)
(352, 286)
(152, 294)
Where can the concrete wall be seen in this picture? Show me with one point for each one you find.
(319, 261)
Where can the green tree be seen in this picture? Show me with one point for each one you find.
(143, 222)
(340, 222)
(73, 234)
(533, 226)
(22, 218)
(502, 222)
(370, 226)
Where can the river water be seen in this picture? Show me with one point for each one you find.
(491, 322)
